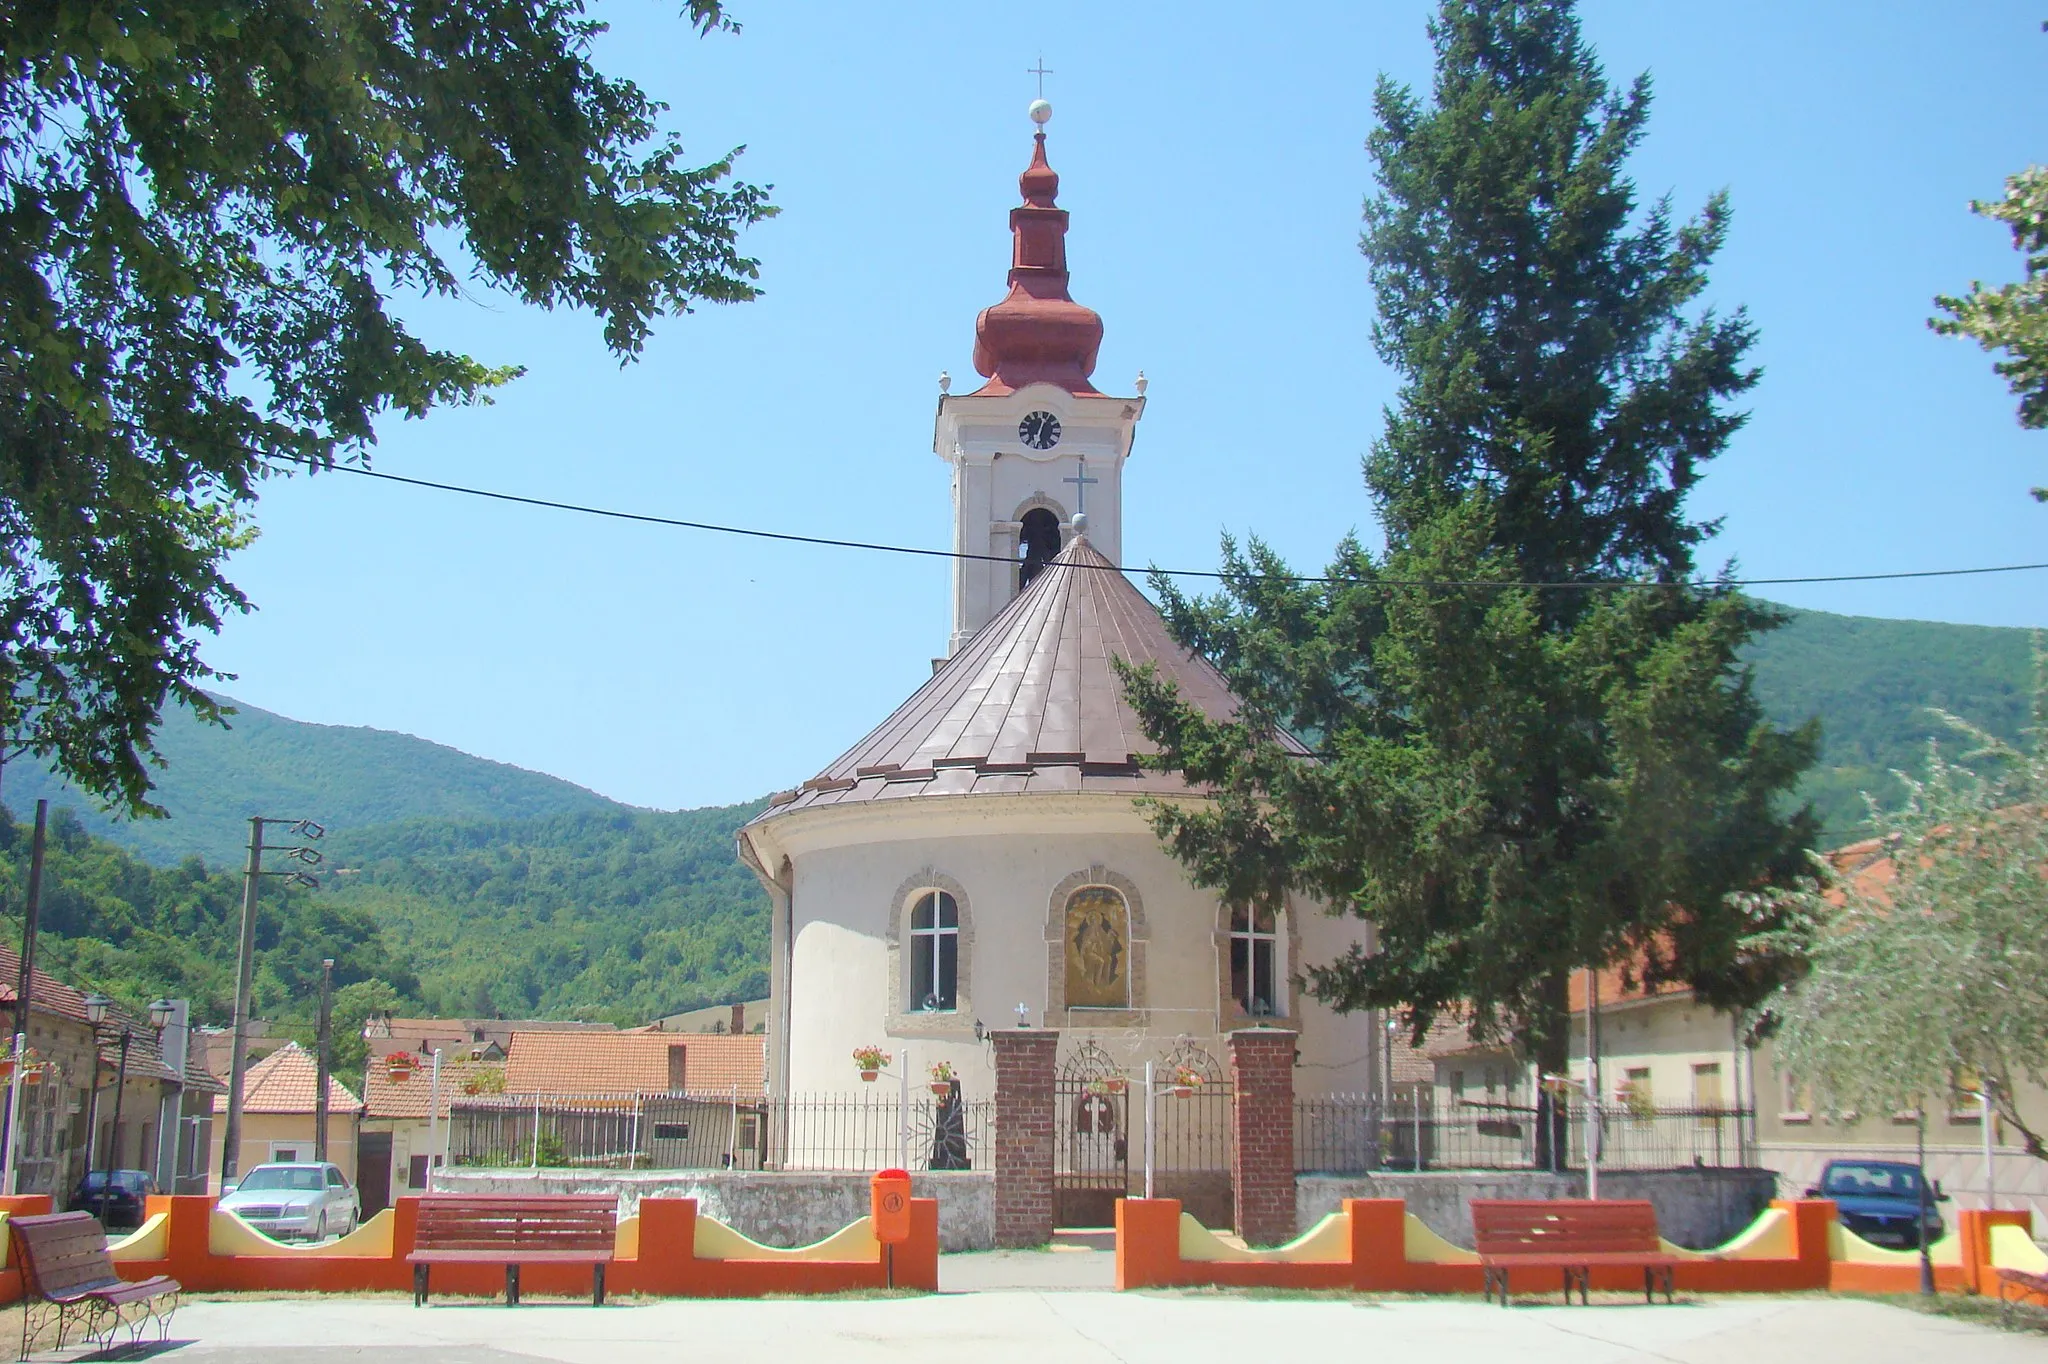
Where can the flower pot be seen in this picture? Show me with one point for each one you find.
(32, 1076)
(1115, 1085)
(870, 1075)
(942, 1087)
(399, 1074)
(1181, 1091)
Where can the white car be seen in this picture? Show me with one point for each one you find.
(305, 1199)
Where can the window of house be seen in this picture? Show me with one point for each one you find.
(1706, 1085)
(1636, 1090)
(934, 952)
(1457, 1084)
(1255, 961)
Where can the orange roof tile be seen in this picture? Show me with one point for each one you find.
(284, 1082)
(634, 1063)
(384, 1097)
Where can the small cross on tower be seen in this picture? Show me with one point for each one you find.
(1041, 71)
(1081, 486)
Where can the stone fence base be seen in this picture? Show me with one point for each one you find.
(776, 1208)
(1696, 1208)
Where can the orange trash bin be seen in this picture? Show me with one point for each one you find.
(889, 1204)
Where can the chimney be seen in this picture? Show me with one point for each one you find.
(739, 1019)
(677, 1075)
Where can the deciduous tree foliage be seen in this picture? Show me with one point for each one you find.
(1517, 778)
(2014, 317)
(1935, 976)
(206, 209)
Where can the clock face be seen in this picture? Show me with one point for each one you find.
(1039, 430)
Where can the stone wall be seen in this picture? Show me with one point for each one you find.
(1697, 1209)
(783, 1209)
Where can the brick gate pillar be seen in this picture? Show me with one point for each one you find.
(1262, 1115)
(1026, 1060)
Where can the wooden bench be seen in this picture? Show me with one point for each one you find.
(1575, 1236)
(64, 1264)
(553, 1229)
(2026, 1283)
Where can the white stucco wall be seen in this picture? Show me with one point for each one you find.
(1005, 857)
(996, 478)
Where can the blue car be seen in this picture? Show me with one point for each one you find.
(1880, 1200)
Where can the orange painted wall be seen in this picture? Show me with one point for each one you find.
(1148, 1255)
(666, 1264)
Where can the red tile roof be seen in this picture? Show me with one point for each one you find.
(52, 998)
(634, 1063)
(285, 1082)
(384, 1097)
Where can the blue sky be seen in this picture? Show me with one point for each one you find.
(1212, 158)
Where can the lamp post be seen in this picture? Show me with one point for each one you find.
(96, 1006)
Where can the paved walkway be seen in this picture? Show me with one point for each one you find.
(1082, 1327)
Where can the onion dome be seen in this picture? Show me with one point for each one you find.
(1037, 334)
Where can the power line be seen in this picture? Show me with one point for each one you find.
(829, 542)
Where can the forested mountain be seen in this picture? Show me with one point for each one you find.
(465, 886)
(113, 922)
(345, 776)
(624, 914)
(1871, 682)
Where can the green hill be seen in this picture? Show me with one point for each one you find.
(1871, 682)
(345, 777)
(624, 914)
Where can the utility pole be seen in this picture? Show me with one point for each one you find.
(324, 1040)
(24, 988)
(245, 975)
(245, 970)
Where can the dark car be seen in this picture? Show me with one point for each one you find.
(1880, 1200)
(116, 1197)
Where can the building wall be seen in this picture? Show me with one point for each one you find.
(262, 1133)
(1674, 1039)
(1006, 860)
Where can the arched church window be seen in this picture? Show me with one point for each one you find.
(1255, 968)
(1038, 544)
(1098, 949)
(934, 952)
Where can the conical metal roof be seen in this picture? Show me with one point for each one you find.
(1031, 703)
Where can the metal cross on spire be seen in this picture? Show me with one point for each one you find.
(1041, 71)
(1081, 486)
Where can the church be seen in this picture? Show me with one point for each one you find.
(978, 861)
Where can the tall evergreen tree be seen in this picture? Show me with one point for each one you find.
(1539, 750)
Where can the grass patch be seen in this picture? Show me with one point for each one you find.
(2019, 1317)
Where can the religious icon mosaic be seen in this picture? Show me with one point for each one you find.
(1098, 953)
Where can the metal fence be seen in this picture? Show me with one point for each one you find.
(1353, 1134)
(682, 1131)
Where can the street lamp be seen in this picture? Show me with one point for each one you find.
(96, 1007)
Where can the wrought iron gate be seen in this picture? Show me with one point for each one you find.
(1091, 1146)
(1191, 1134)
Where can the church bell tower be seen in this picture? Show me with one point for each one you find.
(1036, 445)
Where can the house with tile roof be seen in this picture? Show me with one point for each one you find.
(404, 1131)
(161, 1119)
(980, 858)
(279, 1109)
(1661, 1047)
(488, 1038)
